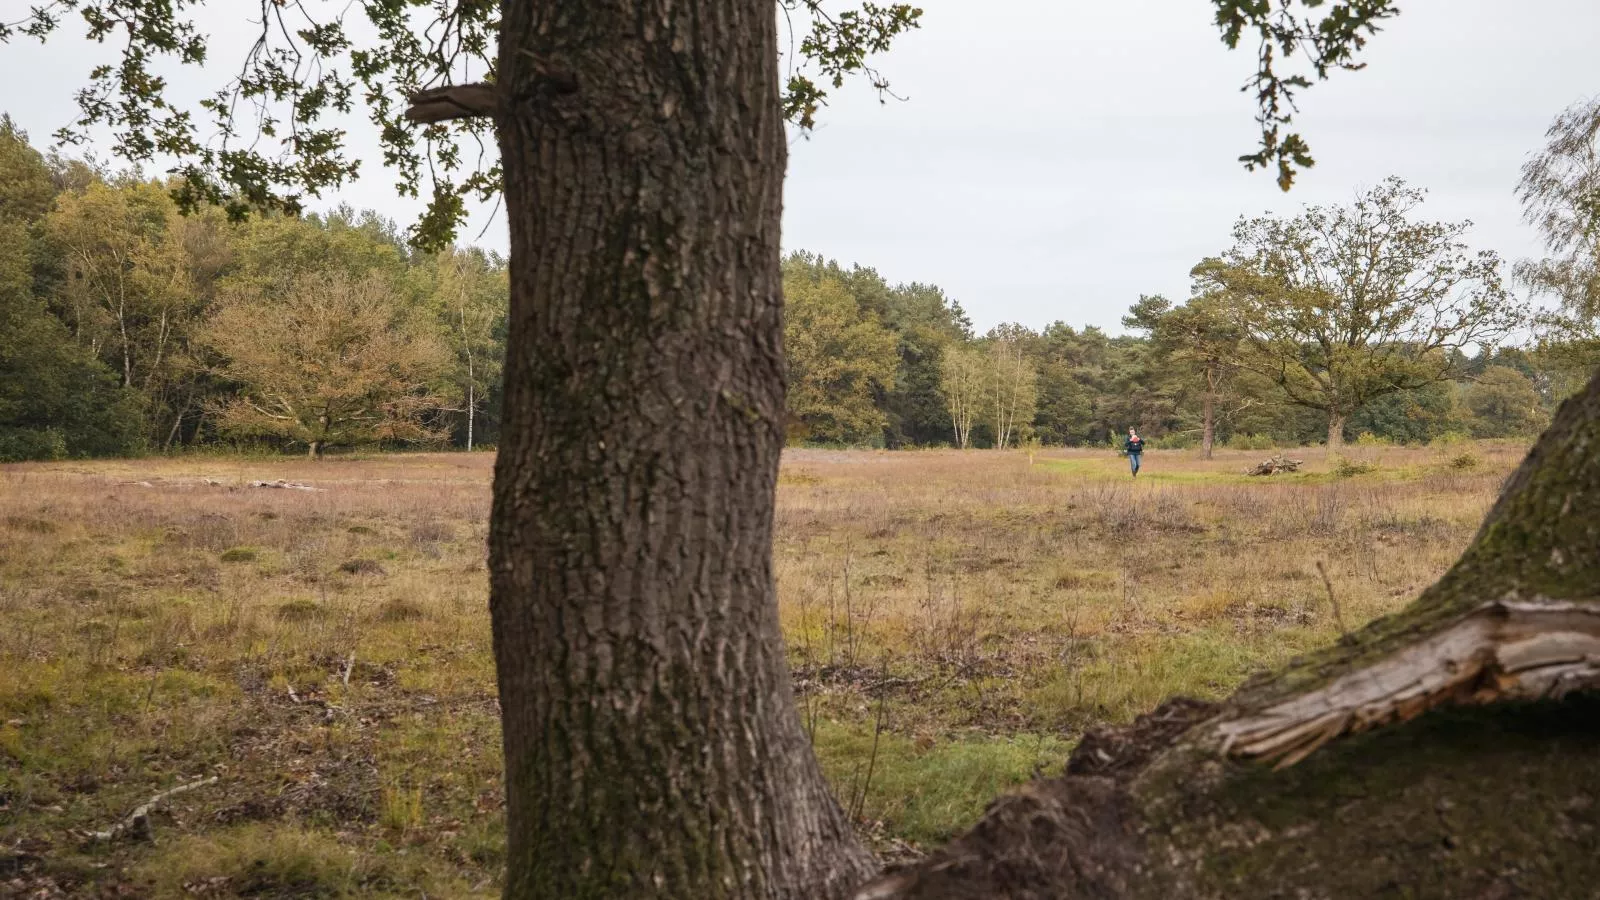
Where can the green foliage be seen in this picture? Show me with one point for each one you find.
(1290, 31)
(110, 303)
(1336, 327)
(1504, 403)
(273, 134)
(1241, 441)
(1010, 384)
(56, 400)
(927, 795)
(1350, 468)
(1178, 440)
(328, 360)
(924, 321)
(1414, 416)
(840, 357)
(839, 46)
(1560, 195)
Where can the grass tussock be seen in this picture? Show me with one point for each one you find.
(955, 621)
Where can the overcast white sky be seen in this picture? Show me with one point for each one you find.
(1056, 158)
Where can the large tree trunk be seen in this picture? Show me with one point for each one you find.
(1335, 431)
(652, 743)
(1495, 792)
(1208, 429)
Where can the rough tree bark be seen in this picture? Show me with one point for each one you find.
(1208, 428)
(651, 737)
(1335, 431)
(1495, 792)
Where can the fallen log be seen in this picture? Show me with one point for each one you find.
(1276, 464)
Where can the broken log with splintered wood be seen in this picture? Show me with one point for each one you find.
(1276, 464)
(1447, 750)
(137, 824)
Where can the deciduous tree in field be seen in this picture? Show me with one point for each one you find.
(1342, 305)
(56, 399)
(652, 746)
(1012, 383)
(1560, 194)
(331, 360)
(469, 289)
(840, 359)
(128, 295)
(963, 379)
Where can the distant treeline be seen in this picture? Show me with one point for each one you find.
(1336, 323)
(874, 364)
(127, 328)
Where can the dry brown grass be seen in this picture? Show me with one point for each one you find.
(955, 620)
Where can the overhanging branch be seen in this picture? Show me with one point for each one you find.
(456, 101)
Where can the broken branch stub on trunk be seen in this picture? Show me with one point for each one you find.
(1491, 793)
(456, 101)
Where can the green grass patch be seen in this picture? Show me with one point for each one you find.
(1129, 676)
(928, 795)
(276, 861)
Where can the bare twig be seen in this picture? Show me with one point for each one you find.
(1338, 616)
(858, 806)
(348, 665)
(138, 822)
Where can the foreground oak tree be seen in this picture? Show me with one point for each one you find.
(652, 744)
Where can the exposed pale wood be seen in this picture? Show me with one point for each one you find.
(1521, 650)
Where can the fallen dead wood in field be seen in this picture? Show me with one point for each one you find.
(1276, 464)
(138, 822)
(287, 486)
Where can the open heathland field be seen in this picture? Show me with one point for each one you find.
(955, 621)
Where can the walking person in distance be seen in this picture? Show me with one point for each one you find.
(1135, 448)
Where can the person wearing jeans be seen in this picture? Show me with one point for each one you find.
(1135, 448)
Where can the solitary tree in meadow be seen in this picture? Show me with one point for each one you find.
(332, 360)
(1342, 305)
(652, 743)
